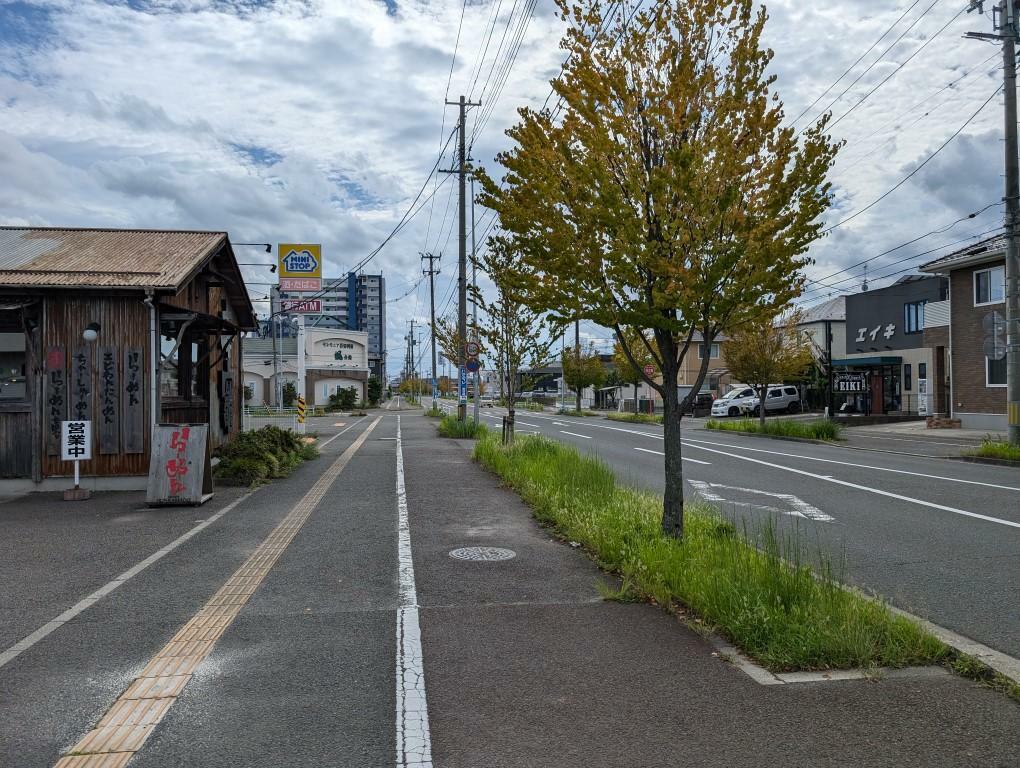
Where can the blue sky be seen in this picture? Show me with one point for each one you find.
(306, 120)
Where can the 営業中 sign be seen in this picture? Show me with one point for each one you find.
(76, 440)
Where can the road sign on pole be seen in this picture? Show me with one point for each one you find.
(462, 389)
(473, 365)
(472, 349)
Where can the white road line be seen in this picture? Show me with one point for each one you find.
(866, 488)
(574, 434)
(414, 744)
(526, 424)
(327, 442)
(866, 436)
(695, 442)
(660, 453)
(799, 507)
(27, 642)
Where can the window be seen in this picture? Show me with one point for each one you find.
(995, 372)
(908, 384)
(913, 317)
(989, 285)
(12, 367)
(714, 352)
(922, 370)
(792, 391)
(775, 393)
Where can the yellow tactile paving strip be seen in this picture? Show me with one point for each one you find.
(128, 723)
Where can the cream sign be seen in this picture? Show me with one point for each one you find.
(341, 353)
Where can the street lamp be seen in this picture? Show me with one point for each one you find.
(272, 267)
(91, 332)
(267, 246)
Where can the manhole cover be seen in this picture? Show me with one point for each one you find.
(482, 553)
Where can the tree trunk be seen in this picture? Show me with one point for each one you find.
(761, 406)
(673, 498)
(636, 409)
(510, 426)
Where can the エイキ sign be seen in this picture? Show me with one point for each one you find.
(300, 260)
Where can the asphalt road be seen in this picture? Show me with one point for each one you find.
(936, 537)
(340, 640)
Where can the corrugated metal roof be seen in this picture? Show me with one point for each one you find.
(833, 309)
(102, 258)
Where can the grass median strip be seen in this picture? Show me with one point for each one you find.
(821, 429)
(996, 449)
(635, 418)
(451, 426)
(764, 597)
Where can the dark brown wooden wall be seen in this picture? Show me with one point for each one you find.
(124, 322)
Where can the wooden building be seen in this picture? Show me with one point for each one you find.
(126, 328)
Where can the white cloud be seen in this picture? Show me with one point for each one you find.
(302, 120)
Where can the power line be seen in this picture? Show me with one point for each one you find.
(888, 77)
(910, 175)
(859, 60)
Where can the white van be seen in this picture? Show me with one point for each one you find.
(732, 403)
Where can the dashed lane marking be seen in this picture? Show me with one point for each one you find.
(574, 434)
(684, 458)
(124, 728)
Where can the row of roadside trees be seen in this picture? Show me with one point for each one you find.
(666, 197)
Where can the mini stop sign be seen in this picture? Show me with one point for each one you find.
(649, 370)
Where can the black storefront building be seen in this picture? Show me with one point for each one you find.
(887, 367)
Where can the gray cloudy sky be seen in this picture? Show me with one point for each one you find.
(317, 121)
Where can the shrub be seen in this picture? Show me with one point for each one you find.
(267, 453)
(243, 471)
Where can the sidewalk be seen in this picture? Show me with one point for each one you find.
(525, 664)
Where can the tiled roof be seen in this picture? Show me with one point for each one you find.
(103, 258)
(975, 253)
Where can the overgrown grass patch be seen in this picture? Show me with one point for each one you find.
(996, 449)
(435, 411)
(764, 596)
(821, 429)
(636, 418)
(451, 426)
(263, 454)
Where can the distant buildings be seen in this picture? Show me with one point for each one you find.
(356, 302)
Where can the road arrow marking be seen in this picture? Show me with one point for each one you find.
(798, 507)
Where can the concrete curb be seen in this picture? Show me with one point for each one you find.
(788, 438)
(985, 460)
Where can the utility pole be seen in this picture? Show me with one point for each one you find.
(432, 272)
(1005, 24)
(577, 361)
(461, 172)
(474, 297)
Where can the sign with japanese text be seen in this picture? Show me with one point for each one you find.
(76, 440)
(81, 384)
(289, 284)
(850, 383)
(133, 401)
(55, 406)
(462, 389)
(109, 401)
(300, 260)
(313, 306)
(178, 466)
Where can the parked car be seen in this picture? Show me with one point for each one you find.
(778, 399)
(701, 405)
(732, 403)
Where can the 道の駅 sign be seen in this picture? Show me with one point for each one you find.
(300, 260)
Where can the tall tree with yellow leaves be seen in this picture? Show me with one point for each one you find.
(666, 195)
